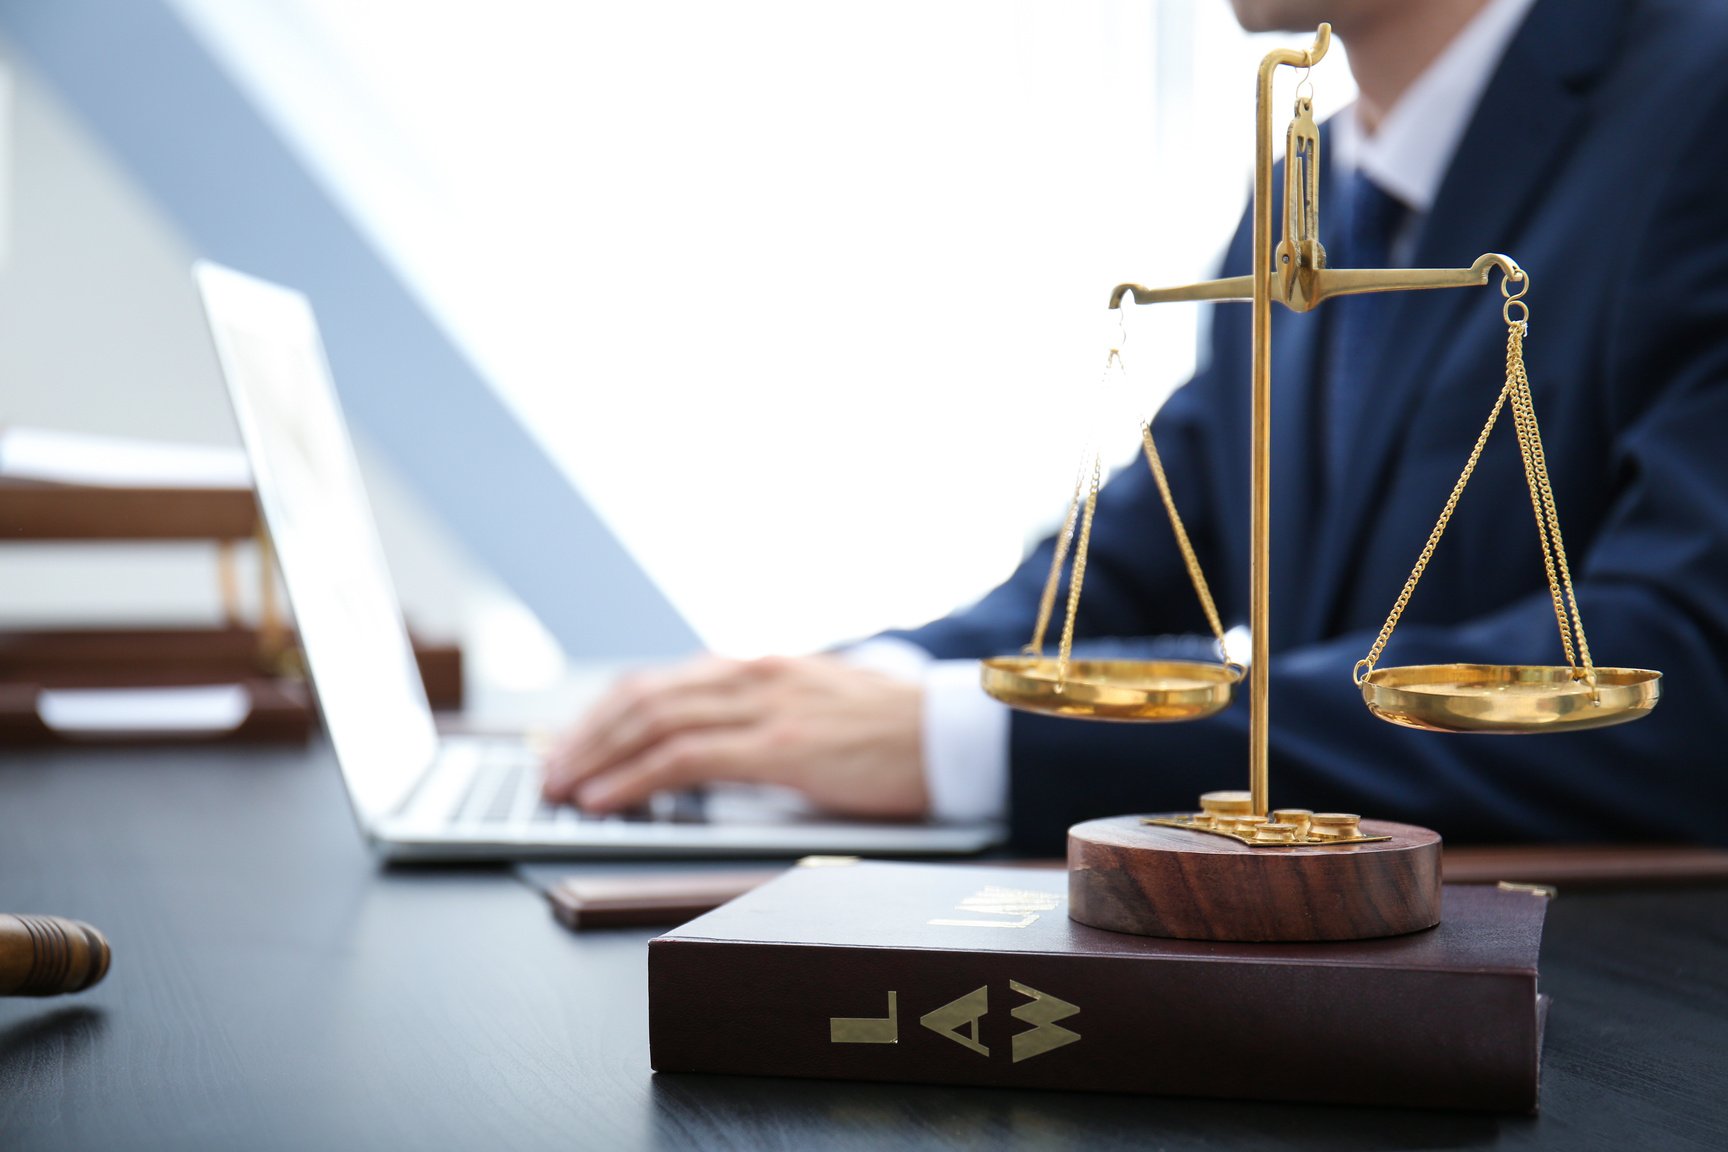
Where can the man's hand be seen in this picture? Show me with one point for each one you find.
(849, 738)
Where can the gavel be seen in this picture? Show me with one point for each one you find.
(49, 955)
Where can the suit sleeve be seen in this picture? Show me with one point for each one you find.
(1652, 588)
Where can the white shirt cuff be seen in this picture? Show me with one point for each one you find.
(900, 659)
(964, 732)
(965, 745)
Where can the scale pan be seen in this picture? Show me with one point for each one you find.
(1144, 690)
(1508, 698)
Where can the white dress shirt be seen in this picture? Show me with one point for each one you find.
(1409, 153)
(965, 732)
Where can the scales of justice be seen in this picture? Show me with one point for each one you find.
(1238, 869)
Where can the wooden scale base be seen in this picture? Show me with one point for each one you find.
(1128, 875)
(1302, 933)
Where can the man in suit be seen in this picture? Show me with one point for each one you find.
(1583, 138)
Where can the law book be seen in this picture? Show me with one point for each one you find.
(967, 974)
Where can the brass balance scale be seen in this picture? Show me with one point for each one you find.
(1291, 874)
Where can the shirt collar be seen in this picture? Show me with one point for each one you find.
(1409, 154)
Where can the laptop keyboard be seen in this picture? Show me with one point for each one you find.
(505, 789)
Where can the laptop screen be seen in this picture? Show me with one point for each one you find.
(310, 490)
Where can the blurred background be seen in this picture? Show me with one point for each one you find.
(755, 326)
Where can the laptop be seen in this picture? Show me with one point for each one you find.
(417, 794)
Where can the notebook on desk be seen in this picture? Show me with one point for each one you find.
(416, 795)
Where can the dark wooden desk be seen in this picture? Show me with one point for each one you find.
(273, 988)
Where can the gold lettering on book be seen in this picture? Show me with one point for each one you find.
(1042, 1011)
(1024, 904)
(867, 1029)
(965, 1010)
(960, 1020)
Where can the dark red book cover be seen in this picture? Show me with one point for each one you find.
(965, 974)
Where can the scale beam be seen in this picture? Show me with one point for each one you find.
(1333, 282)
(1329, 283)
(1233, 288)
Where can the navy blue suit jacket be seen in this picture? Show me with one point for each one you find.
(1598, 159)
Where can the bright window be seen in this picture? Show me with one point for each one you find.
(804, 298)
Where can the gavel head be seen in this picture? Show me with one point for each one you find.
(49, 955)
